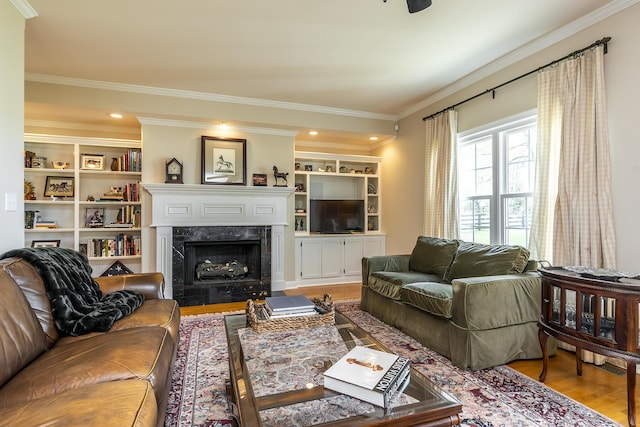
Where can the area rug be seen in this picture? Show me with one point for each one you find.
(492, 397)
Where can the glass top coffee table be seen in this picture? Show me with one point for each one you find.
(276, 380)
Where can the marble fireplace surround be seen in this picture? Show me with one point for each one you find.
(195, 205)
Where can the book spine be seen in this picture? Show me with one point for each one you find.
(396, 386)
(392, 379)
(392, 374)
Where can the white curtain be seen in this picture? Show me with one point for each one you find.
(546, 176)
(441, 176)
(573, 217)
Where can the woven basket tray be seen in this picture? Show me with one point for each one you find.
(257, 321)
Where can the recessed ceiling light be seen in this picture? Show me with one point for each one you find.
(223, 124)
(373, 138)
(115, 115)
(313, 132)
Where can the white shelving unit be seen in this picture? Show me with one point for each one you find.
(331, 176)
(71, 213)
(326, 258)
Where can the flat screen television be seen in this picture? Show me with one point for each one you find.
(336, 216)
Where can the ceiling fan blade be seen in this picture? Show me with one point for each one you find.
(417, 5)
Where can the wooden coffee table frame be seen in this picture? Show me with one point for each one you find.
(435, 407)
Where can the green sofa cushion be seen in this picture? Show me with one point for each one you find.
(476, 260)
(433, 255)
(434, 298)
(389, 283)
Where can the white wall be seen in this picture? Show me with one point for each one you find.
(404, 159)
(12, 25)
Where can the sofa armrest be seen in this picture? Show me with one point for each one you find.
(495, 301)
(383, 263)
(150, 285)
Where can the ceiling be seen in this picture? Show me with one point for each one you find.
(362, 55)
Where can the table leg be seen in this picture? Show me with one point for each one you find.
(578, 361)
(543, 337)
(631, 393)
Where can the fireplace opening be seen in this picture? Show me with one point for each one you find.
(221, 264)
(216, 262)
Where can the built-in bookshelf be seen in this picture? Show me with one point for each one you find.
(325, 258)
(84, 194)
(332, 176)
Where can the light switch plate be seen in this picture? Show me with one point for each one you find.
(10, 202)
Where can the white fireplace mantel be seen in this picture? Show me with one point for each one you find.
(191, 205)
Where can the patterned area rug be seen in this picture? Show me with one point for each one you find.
(498, 396)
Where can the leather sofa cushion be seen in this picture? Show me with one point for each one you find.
(21, 337)
(433, 255)
(26, 276)
(110, 404)
(434, 298)
(389, 283)
(477, 260)
(137, 353)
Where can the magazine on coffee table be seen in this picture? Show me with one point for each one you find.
(370, 375)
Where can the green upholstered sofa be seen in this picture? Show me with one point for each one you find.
(475, 304)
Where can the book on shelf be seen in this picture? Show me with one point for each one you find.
(371, 375)
(46, 224)
(119, 225)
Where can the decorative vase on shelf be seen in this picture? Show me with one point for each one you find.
(114, 164)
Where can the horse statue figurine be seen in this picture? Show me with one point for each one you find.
(280, 175)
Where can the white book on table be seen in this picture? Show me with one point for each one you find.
(370, 375)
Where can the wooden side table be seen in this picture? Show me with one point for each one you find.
(592, 314)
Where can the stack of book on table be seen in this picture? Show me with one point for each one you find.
(373, 376)
(289, 306)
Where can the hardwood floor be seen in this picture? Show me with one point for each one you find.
(598, 388)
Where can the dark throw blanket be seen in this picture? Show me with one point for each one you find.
(76, 300)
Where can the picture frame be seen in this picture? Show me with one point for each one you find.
(260, 179)
(45, 244)
(92, 161)
(94, 217)
(223, 160)
(59, 186)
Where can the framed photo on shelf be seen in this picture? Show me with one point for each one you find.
(59, 186)
(260, 179)
(224, 161)
(45, 244)
(92, 161)
(94, 217)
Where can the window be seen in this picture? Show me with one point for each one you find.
(496, 175)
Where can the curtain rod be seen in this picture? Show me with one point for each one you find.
(602, 41)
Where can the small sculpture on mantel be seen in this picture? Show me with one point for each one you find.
(280, 175)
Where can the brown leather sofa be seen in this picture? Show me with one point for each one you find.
(117, 378)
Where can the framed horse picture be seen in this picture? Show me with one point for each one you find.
(224, 160)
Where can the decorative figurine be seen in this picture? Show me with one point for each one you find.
(280, 175)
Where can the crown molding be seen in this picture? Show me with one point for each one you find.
(523, 52)
(24, 8)
(201, 125)
(78, 126)
(203, 96)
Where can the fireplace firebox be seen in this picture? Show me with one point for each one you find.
(221, 264)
